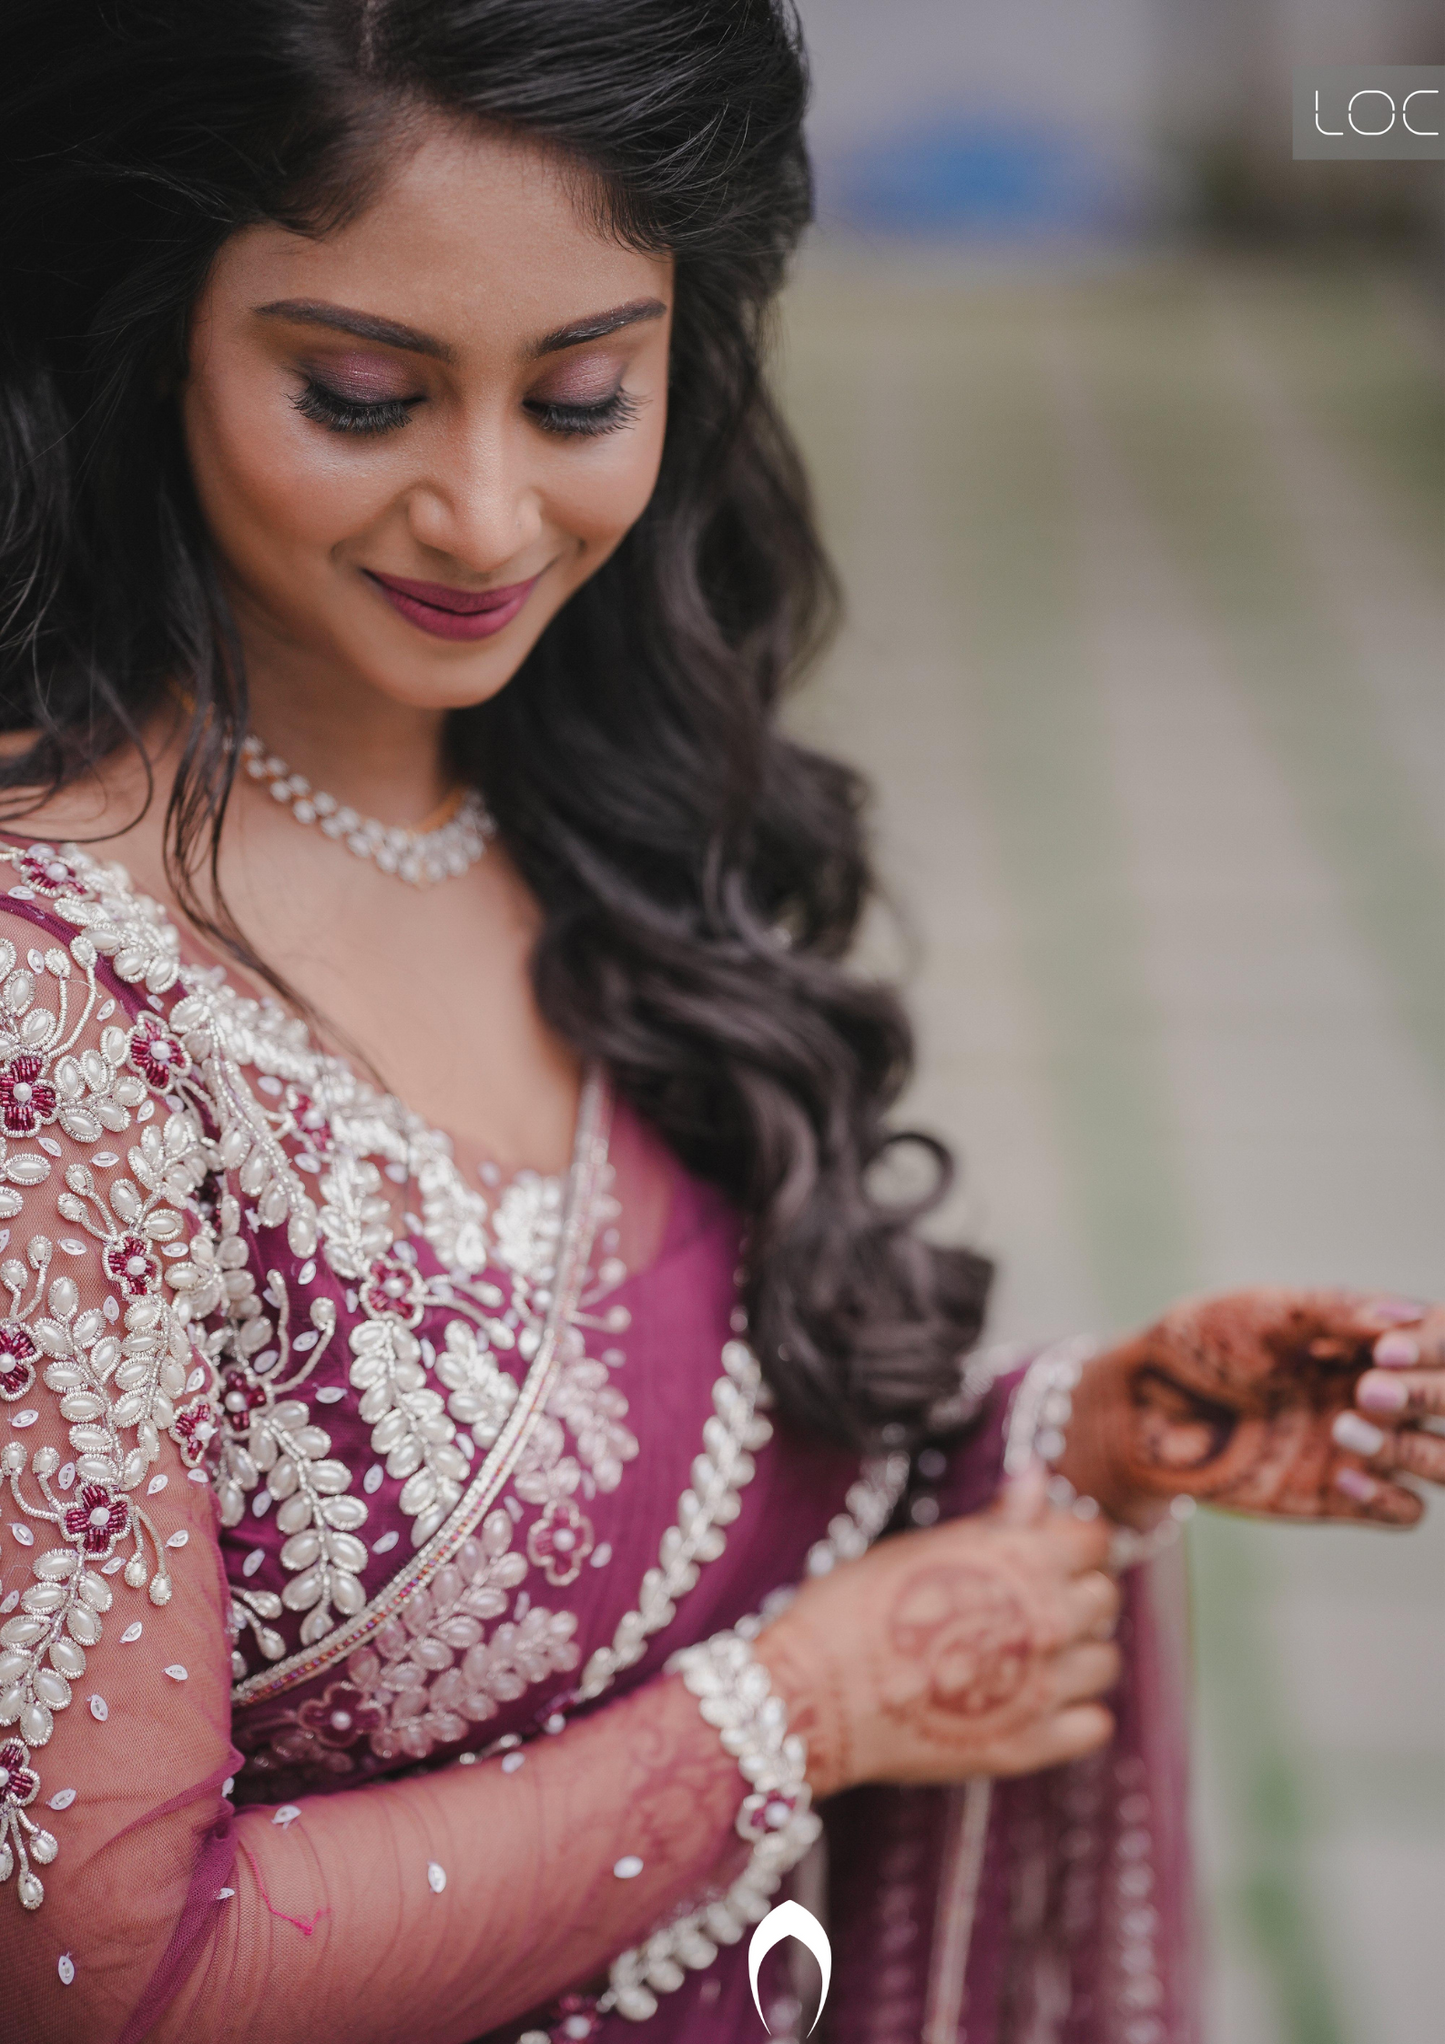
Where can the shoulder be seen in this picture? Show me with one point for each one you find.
(112, 934)
(87, 1056)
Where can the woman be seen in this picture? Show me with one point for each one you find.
(451, 1269)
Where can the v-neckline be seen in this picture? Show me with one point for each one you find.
(193, 959)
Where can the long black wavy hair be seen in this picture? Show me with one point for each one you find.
(701, 876)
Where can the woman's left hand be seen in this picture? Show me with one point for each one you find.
(1304, 1405)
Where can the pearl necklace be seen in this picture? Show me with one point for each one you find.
(418, 856)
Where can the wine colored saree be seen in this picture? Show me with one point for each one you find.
(335, 1465)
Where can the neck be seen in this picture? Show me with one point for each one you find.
(390, 766)
(382, 757)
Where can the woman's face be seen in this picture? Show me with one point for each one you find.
(414, 438)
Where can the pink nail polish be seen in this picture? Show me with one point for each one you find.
(1393, 1312)
(1397, 1352)
(1356, 1435)
(1381, 1394)
(1355, 1484)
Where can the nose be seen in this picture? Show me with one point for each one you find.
(482, 508)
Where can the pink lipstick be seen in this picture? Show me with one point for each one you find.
(449, 613)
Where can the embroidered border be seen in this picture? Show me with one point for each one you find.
(590, 1154)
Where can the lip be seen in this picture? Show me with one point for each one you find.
(449, 613)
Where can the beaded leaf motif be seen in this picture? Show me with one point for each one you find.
(119, 1370)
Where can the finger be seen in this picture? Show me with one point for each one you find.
(1367, 1500)
(1398, 1448)
(1419, 1345)
(1082, 1728)
(1067, 1735)
(1345, 1327)
(1391, 1311)
(1397, 1393)
(1417, 1454)
(1084, 1672)
(1024, 1499)
(1083, 1543)
(1092, 1602)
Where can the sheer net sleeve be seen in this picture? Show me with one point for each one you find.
(134, 1900)
(113, 1652)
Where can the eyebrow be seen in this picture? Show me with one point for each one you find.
(392, 334)
(599, 325)
(365, 325)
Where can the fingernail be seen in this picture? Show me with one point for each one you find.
(1394, 1312)
(1355, 1484)
(1397, 1351)
(1356, 1434)
(1381, 1394)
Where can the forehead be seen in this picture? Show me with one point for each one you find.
(480, 237)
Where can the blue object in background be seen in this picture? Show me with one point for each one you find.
(979, 178)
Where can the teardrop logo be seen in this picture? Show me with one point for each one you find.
(790, 1920)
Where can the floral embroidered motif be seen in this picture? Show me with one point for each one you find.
(97, 1519)
(27, 1102)
(560, 1541)
(17, 1360)
(197, 1425)
(433, 1671)
(393, 1287)
(343, 1131)
(156, 1054)
(18, 1780)
(341, 1716)
(240, 1393)
(20, 1837)
(240, 1125)
(129, 1264)
(42, 868)
(116, 1372)
(443, 1672)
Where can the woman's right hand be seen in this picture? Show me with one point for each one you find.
(977, 1647)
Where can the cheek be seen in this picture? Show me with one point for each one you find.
(269, 490)
(600, 491)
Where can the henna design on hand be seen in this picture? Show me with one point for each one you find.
(1233, 1400)
(962, 1647)
(1175, 1428)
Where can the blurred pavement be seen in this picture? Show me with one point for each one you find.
(1143, 654)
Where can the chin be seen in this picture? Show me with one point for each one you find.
(441, 684)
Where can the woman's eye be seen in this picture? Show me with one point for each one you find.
(607, 417)
(341, 414)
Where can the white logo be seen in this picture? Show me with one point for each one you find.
(790, 1920)
(1379, 92)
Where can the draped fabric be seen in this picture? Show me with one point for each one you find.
(356, 1496)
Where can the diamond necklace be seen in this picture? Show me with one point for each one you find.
(420, 856)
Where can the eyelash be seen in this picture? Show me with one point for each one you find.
(326, 407)
(586, 421)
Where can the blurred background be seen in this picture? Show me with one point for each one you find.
(1127, 432)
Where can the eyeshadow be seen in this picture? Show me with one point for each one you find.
(367, 379)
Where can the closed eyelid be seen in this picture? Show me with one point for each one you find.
(594, 386)
(366, 379)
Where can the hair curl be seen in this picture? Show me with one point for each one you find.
(701, 875)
